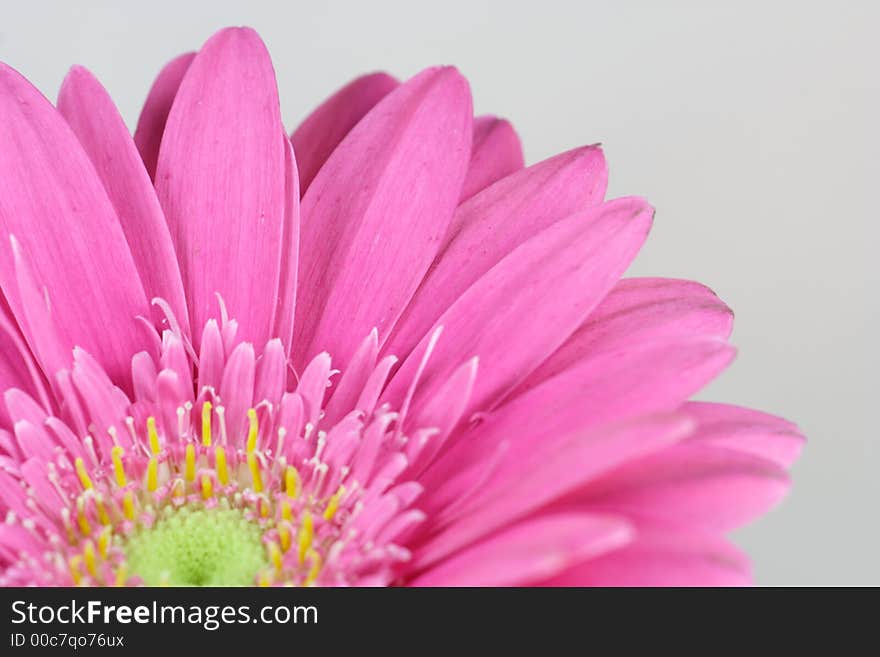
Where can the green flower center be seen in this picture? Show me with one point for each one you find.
(197, 547)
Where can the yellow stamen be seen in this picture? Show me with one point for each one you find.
(84, 478)
(263, 580)
(333, 504)
(284, 536)
(286, 513)
(254, 466)
(128, 505)
(155, 447)
(291, 481)
(265, 507)
(118, 468)
(75, 562)
(84, 527)
(190, 472)
(102, 512)
(104, 542)
(121, 576)
(153, 474)
(222, 468)
(89, 557)
(306, 532)
(206, 424)
(253, 426)
(207, 487)
(275, 556)
(178, 489)
(315, 568)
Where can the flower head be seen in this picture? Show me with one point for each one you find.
(379, 352)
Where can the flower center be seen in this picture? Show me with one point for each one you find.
(197, 547)
(246, 484)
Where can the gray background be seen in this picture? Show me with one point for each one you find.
(752, 127)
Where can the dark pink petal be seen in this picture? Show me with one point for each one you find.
(221, 181)
(496, 153)
(151, 123)
(53, 202)
(375, 213)
(746, 430)
(690, 486)
(100, 129)
(327, 126)
(492, 224)
(530, 551)
(640, 309)
(527, 305)
(660, 559)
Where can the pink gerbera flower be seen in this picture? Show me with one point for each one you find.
(381, 352)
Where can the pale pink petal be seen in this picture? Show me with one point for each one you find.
(496, 153)
(663, 560)
(221, 181)
(99, 127)
(322, 130)
(492, 224)
(530, 551)
(690, 486)
(526, 306)
(154, 115)
(746, 430)
(375, 213)
(53, 202)
(639, 309)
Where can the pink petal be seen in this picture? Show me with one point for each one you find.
(528, 480)
(100, 129)
(689, 486)
(663, 560)
(530, 551)
(221, 181)
(322, 130)
(212, 357)
(284, 311)
(492, 224)
(271, 373)
(640, 309)
(442, 412)
(746, 430)
(237, 390)
(52, 200)
(655, 377)
(375, 213)
(495, 154)
(151, 123)
(18, 369)
(527, 305)
(353, 379)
